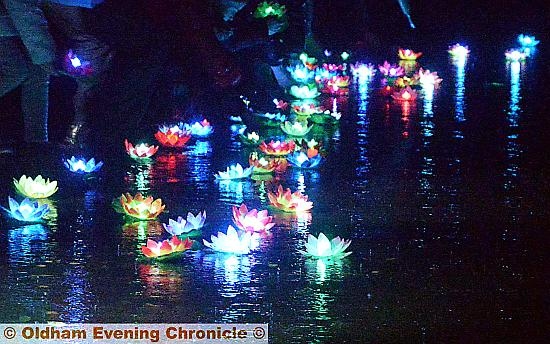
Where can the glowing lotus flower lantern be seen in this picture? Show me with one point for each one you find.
(140, 151)
(179, 226)
(172, 136)
(391, 71)
(304, 92)
(302, 160)
(277, 148)
(269, 9)
(201, 129)
(196, 221)
(233, 242)
(280, 104)
(408, 54)
(321, 247)
(307, 110)
(363, 71)
(289, 202)
(142, 208)
(296, 129)
(333, 68)
(167, 249)
(406, 94)
(427, 78)
(35, 188)
(527, 41)
(301, 74)
(250, 138)
(27, 211)
(252, 221)
(75, 66)
(404, 81)
(261, 165)
(458, 51)
(515, 55)
(82, 165)
(235, 172)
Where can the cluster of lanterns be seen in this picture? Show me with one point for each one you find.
(527, 46)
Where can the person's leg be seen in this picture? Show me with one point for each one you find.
(34, 103)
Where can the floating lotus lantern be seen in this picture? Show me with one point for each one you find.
(252, 221)
(408, 54)
(235, 172)
(261, 165)
(269, 9)
(277, 148)
(196, 221)
(296, 128)
(308, 61)
(406, 94)
(172, 136)
(82, 166)
(301, 160)
(344, 55)
(27, 211)
(515, 55)
(140, 151)
(140, 207)
(35, 188)
(280, 104)
(75, 66)
(363, 71)
(458, 51)
(391, 71)
(179, 226)
(301, 74)
(304, 92)
(527, 41)
(272, 119)
(331, 67)
(427, 78)
(233, 242)
(404, 81)
(250, 138)
(288, 201)
(321, 247)
(202, 128)
(167, 249)
(307, 110)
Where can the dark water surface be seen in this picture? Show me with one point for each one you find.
(446, 203)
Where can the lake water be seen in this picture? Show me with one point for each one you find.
(445, 202)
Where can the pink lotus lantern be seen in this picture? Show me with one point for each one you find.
(167, 249)
(140, 151)
(408, 54)
(253, 220)
(331, 67)
(288, 201)
(172, 136)
(277, 148)
(391, 71)
(280, 104)
(406, 94)
(427, 78)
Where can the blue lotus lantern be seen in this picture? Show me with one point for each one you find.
(302, 160)
(27, 211)
(82, 166)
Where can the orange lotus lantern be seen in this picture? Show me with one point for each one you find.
(167, 249)
(406, 94)
(172, 136)
(140, 207)
(140, 151)
(408, 54)
(289, 202)
(277, 148)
